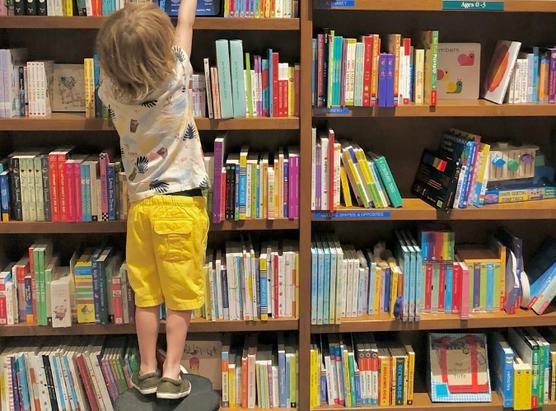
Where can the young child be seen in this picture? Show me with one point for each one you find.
(146, 69)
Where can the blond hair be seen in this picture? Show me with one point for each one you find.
(135, 50)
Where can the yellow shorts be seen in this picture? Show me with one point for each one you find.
(165, 251)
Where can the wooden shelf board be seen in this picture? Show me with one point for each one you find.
(78, 122)
(413, 209)
(439, 321)
(528, 210)
(541, 6)
(201, 23)
(20, 227)
(199, 326)
(446, 108)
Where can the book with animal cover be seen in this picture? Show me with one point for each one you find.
(459, 71)
(68, 88)
(500, 71)
(60, 299)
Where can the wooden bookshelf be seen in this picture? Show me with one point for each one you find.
(472, 108)
(439, 321)
(412, 209)
(529, 210)
(78, 122)
(201, 23)
(197, 326)
(537, 6)
(19, 227)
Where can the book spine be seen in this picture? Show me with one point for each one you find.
(552, 77)
(15, 188)
(111, 188)
(5, 196)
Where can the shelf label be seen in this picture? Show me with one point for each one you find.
(346, 111)
(330, 4)
(473, 5)
(338, 215)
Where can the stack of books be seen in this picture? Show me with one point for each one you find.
(83, 373)
(249, 185)
(465, 171)
(36, 290)
(259, 373)
(348, 72)
(356, 371)
(344, 175)
(62, 186)
(248, 85)
(252, 283)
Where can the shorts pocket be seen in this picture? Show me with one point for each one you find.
(174, 239)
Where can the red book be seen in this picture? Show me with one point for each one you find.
(407, 53)
(343, 74)
(77, 191)
(30, 251)
(331, 141)
(20, 272)
(320, 70)
(456, 288)
(275, 90)
(442, 287)
(367, 66)
(428, 286)
(296, 85)
(117, 300)
(433, 98)
(62, 199)
(68, 206)
(244, 384)
(87, 382)
(53, 182)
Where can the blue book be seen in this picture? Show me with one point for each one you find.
(270, 74)
(538, 271)
(96, 74)
(23, 378)
(225, 301)
(314, 282)
(399, 380)
(265, 90)
(86, 192)
(531, 78)
(58, 381)
(111, 181)
(224, 78)
(5, 194)
(239, 280)
(93, 271)
(387, 286)
(282, 375)
(390, 73)
(15, 392)
(449, 287)
(338, 55)
(473, 150)
(490, 287)
(238, 78)
(72, 394)
(236, 193)
(503, 358)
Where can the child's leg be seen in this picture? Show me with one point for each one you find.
(177, 324)
(147, 320)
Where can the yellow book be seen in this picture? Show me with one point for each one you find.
(293, 379)
(347, 380)
(553, 372)
(419, 76)
(355, 179)
(86, 81)
(226, 8)
(232, 384)
(345, 187)
(410, 372)
(291, 91)
(522, 385)
(396, 278)
(365, 172)
(315, 370)
(384, 377)
(377, 291)
(68, 8)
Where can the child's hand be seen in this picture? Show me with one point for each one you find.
(184, 29)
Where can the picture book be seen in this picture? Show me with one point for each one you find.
(68, 88)
(459, 66)
(500, 71)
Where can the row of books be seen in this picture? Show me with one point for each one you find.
(259, 373)
(249, 185)
(347, 72)
(252, 283)
(261, 8)
(248, 85)
(432, 276)
(38, 290)
(521, 74)
(83, 373)
(343, 174)
(62, 186)
(465, 171)
(354, 370)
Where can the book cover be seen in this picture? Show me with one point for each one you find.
(458, 71)
(500, 71)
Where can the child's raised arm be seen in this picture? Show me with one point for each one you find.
(184, 29)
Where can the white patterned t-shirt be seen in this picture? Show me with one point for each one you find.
(159, 141)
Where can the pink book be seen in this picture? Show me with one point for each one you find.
(117, 300)
(464, 308)
(456, 289)
(296, 187)
(77, 191)
(442, 287)
(343, 74)
(69, 195)
(104, 159)
(258, 72)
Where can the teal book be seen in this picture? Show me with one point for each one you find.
(238, 78)
(224, 78)
(330, 86)
(338, 56)
(387, 180)
(359, 68)
(269, 94)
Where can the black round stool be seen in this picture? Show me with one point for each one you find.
(202, 398)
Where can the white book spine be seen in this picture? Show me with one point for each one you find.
(313, 168)
(324, 173)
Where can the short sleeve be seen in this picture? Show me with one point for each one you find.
(183, 61)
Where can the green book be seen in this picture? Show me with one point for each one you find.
(249, 85)
(224, 78)
(359, 68)
(330, 89)
(387, 180)
(238, 78)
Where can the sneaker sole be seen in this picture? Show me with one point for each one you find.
(171, 396)
(145, 391)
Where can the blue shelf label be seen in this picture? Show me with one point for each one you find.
(338, 215)
(333, 110)
(336, 3)
(473, 5)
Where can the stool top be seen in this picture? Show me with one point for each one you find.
(202, 398)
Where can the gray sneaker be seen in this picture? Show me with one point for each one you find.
(171, 389)
(147, 383)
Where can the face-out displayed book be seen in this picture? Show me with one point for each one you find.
(459, 66)
(459, 369)
(500, 71)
